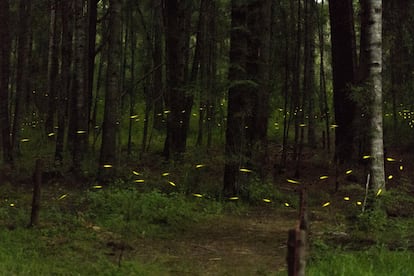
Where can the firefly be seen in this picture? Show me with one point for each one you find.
(323, 177)
(293, 181)
(62, 196)
(245, 170)
(379, 192)
(326, 204)
(197, 195)
(267, 200)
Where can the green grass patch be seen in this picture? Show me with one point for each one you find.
(375, 261)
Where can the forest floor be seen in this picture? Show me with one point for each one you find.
(96, 232)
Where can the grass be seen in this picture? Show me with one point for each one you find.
(375, 261)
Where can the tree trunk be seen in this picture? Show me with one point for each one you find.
(22, 73)
(112, 118)
(343, 57)
(177, 100)
(52, 69)
(374, 85)
(65, 78)
(237, 101)
(79, 103)
(4, 80)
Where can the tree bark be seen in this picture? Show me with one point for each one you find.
(374, 84)
(22, 73)
(112, 118)
(178, 101)
(343, 58)
(4, 80)
(79, 103)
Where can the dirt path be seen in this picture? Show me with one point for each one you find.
(252, 244)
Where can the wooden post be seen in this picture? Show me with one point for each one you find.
(37, 181)
(297, 241)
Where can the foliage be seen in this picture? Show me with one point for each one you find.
(131, 212)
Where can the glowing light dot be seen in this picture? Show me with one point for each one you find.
(51, 134)
(62, 196)
(139, 181)
(346, 198)
(25, 140)
(366, 156)
(359, 203)
(390, 177)
(136, 173)
(234, 198)
(348, 172)
(107, 166)
(97, 187)
(197, 195)
(172, 183)
(267, 200)
(389, 159)
(379, 192)
(165, 174)
(245, 170)
(287, 204)
(133, 116)
(326, 204)
(81, 131)
(199, 166)
(323, 177)
(293, 181)
(12, 205)
(401, 167)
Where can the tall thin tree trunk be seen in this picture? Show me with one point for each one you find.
(79, 105)
(374, 81)
(112, 116)
(22, 73)
(5, 48)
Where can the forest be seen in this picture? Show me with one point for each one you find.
(206, 137)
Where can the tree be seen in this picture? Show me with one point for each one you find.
(79, 113)
(22, 72)
(248, 94)
(177, 100)
(66, 13)
(112, 116)
(373, 49)
(4, 80)
(343, 71)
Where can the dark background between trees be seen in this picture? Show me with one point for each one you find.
(95, 86)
